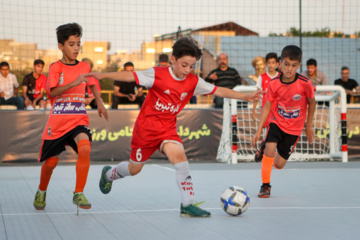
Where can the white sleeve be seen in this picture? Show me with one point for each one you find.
(203, 87)
(259, 83)
(16, 84)
(146, 78)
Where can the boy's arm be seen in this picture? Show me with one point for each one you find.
(229, 93)
(123, 76)
(264, 115)
(24, 90)
(101, 107)
(56, 91)
(310, 134)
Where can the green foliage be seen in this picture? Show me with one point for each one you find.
(324, 32)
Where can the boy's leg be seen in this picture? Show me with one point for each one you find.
(176, 154)
(46, 172)
(82, 170)
(266, 168)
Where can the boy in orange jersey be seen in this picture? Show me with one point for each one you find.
(292, 96)
(170, 89)
(68, 121)
(263, 84)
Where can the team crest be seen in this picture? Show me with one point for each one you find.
(297, 97)
(183, 96)
(61, 79)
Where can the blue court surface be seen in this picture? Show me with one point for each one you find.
(309, 200)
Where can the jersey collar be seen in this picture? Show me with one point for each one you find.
(175, 77)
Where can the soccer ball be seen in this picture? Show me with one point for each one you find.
(235, 200)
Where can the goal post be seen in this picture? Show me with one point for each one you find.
(329, 123)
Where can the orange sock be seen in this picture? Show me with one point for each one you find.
(46, 172)
(266, 168)
(83, 164)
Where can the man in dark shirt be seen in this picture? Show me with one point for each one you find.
(223, 76)
(127, 92)
(350, 85)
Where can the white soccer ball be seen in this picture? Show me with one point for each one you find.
(235, 200)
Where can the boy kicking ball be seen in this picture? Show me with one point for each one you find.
(170, 89)
(289, 97)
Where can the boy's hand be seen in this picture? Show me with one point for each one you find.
(102, 111)
(131, 97)
(255, 138)
(310, 134)
(255, 96)
(93, 74)
(81, 78)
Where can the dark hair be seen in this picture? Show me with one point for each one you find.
(291, 51)
(270, 56)
(38, 61)
(186, 47)
(63, 32)
(311, 62)
(163, 58)
(278, 59)
(128, 64)
(4, 64)
(345, 68)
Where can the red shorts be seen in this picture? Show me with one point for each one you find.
(141, 154)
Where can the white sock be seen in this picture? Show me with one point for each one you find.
(41, 192)
(48, 106)
(119, 171)
(30, 107)
(184, 182)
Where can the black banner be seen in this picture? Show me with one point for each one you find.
(21, 131)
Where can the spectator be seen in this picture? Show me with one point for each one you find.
(259, 64)
(316, 76)
(33, 87)
(127, 92)
(350, 85)
(278, 69)
(89, 96)
(9, 87)
(223, 76)
(164, 60)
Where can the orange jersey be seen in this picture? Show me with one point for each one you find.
(68, 109)
(290, 103)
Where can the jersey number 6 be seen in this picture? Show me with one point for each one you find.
(138, 155)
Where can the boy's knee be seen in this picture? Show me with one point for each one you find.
(134, 169)
(84, 148)
(278, 166)
(51, 162)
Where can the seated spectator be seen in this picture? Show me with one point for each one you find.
(164, 60)
(223, 76)
(316, 76)
(89, 96)
(350, 85)
(33, 87)
(9, 87)
(127, 92)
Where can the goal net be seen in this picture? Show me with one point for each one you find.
(329, 125)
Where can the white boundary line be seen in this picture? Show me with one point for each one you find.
(170, 210)
(167, 168)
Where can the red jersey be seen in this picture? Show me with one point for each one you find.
(68, 109)
(291, 102)
(167, 96)
(263, 84)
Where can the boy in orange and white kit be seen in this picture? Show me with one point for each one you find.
(68, 121)
(292, 96)
(170, 89)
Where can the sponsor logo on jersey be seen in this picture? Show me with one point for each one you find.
(296, 97)
(172, 108)
(61, 79)
(183, 96)
(289, 113)
(167, 91)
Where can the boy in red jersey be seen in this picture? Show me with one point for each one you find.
(68, 121)
(33, 87)
(170, 89)
(292, 95)
(263, 83)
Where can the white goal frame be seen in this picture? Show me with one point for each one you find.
(232, 149)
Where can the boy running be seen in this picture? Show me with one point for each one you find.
(291, 94)
(170, 89)
(263, 84)
(68, 121)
